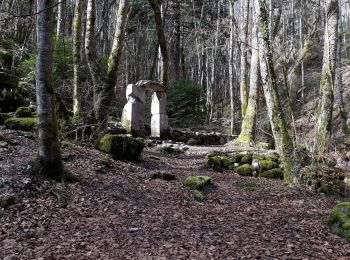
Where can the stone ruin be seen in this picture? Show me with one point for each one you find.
(133, 118)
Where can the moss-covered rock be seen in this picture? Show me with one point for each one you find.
(244, 170)
(266, 165)
(23, 112)
(339, 220)
(213, 161)
(247, 159)
(219, 161)
(198, 195)
(197, 182)
(24, 124)
(276, 173)
(121, 146)
(5, 58)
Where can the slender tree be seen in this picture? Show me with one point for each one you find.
(105, 92)
(77, 109)
(248, 129)
(156, 6)
(49, 161)
(283, 141)
(325, 107)
(90, 47)
(244, 57)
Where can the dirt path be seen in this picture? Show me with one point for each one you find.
(119, 213)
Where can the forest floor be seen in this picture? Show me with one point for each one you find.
(118, 212)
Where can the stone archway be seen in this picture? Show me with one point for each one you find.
(133, 118)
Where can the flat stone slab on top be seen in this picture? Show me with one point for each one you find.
(151, 85)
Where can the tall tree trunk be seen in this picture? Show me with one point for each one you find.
(283, 141)
(325, 107)
(231, 66)
(90, 48)
(244, 57)
(49, 161)
(162, 41)
(248, 129)
(105, 93)
(177, 50)
(61, 10)
(77, 58)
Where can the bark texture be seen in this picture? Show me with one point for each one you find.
(325, 108)
(77, 58)
(162, 41)
(248, 129)
(105, 94)
(283, 141)
(244, 57)
(49, 161)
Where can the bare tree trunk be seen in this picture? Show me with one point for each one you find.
(162, 41)
(61, 9)
(325, 108)
(248, 129)
(90, 48)
(244, 57)
(77, 58)
(231, 66)
(283, 141)
(105, 93)
(49, 161)
(177, 50)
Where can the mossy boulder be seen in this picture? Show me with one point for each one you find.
(24, 124)
(276, 173)
(198, 195)
(244, 170)
(23, 112)
(219, 161)
(197, 182)
(247, 159)
(121, 146)
(339, 220)
(266, 165)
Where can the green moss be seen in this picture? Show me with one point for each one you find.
(197, 182)
(339, 220)
(22, 112)
(247, 159)
(198, 195)
(219, 161)
(276, 173)
(243, 139)
(121, 146)
(25, 124)
(244, 170)
(265, 165)
(67, 145)
(263, 145)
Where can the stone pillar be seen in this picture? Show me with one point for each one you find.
(159, 121)
(133, 113)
